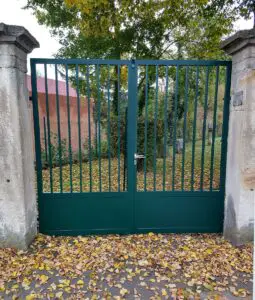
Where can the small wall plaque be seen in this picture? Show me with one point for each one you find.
(238, 98)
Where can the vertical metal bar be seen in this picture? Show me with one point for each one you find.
(225, 124)
(155, 132)
(118, 128)
(145, 128)
(69, 131)
(132, 135)
(185, 124)
(48, 127)
(194, 131)
(79, 121)
(165, 130)
(109, 128)
(125, 150)
(59, 132)
(214, 125)
(45, 139)
(96, 139)
(175, 121)
(89, 128)
(204, 130)
(37, 134)
(99, 126)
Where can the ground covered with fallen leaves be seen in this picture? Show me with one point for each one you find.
(211, 173)
(145, 266)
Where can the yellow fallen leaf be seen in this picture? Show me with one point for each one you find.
(43, 278)
(164, 292)
(164, 264)
(80, 282)
(15, 286)
(123, 292)
(208, 286)
(59, 294)
(65, 282)
(209, 251)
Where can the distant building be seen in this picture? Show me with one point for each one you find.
(63, 110)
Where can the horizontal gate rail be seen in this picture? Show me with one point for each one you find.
(127, 62)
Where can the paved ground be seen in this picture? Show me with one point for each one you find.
(150, 266)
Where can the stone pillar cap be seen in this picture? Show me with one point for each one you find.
(19, 36)
(238, 41)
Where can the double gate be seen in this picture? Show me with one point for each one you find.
(128, 146)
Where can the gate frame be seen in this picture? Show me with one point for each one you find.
(128, 208)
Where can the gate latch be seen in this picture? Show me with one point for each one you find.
(139, 156)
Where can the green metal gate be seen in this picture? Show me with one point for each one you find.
(130, 146)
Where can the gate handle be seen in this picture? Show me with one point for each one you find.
(139, 156)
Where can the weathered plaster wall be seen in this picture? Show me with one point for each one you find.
(18, 212)
(240, 180)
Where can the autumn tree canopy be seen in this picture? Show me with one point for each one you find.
(137, 28)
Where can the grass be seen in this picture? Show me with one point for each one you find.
(114, 185)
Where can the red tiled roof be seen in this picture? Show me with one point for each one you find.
(51, 86)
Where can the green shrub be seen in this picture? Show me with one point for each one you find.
(57, 152)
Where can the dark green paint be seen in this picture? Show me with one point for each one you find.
(204, 129)
(131, 138)
(131, 210)
(99, 124)
(118, 71)
(145, 128)
(37, 134)
(48, 127)
(79, 120)
(224, 141)
(214, 126)
(155, 133)
(194, 130)
(109, 127)
(185, 124)
(89, 128)
(165, 129)
(175, 122)
(59, 132)
(45, 139)
(69, 131)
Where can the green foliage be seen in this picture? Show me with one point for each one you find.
(118, 138)
(247, 8)
(58, 152)
(103, 149)
(135, 29)
(140, 29)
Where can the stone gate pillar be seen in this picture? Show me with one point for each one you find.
(240, 176)
(18, 210)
